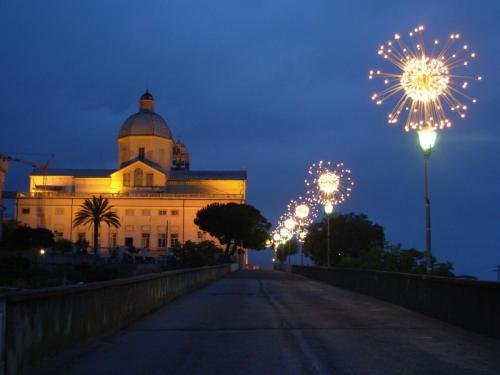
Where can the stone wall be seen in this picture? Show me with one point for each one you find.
(474, 305)
(43, 322)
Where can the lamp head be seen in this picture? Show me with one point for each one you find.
(427, 139)
(328, 208)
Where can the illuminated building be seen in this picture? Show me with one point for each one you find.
(153, 191)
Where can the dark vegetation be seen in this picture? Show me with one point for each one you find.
(236, 226)
(357, 242)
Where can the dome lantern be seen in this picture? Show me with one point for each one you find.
(147, 102)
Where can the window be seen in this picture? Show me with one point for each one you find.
(141, 153)
(174, 239)
(174, 162)
(149, 179)
(126, 179)
(26, 211)
(174, 212)
(58, 235)
(129, 228)
(138, 177)
(162, 212)
(129, 212)
(162, 240)
(129, 242)
(81, 236)
(59, 211)
(145, 240)
(200, 235)
(146, 212)
(112, 240)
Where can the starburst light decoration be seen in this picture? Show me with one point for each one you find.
(429, 82)
(329, 183)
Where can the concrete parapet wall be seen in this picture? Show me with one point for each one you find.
(43, 322)
(474, 305)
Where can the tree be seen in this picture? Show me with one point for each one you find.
(94, 211)
(284, 250)
(193, 254)
(234, 225)
(350, 235)
(23, 237)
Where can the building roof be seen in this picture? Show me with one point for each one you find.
(207, 175)
(173, 174)
(83, 173)
(152, 164)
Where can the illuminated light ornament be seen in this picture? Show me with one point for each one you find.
(428, 83)
(303, 235)
(290, 224)
(302, 211)
(276, 237)
(329, 182)
(284, 233)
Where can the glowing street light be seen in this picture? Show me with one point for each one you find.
(428, 87)
(42, 251)
(427, 139)
(330, 185)
(328, 208)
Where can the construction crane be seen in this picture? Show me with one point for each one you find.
(4, 162)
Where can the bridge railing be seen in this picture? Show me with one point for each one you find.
(40, 323)
(471, 304)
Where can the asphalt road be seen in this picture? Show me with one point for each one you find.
(260, 322)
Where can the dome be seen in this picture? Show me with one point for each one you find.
(146, 121)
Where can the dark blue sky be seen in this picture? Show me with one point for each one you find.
(270, 86)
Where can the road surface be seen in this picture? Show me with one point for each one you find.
(263, 322)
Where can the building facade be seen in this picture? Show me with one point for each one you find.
(153, 190)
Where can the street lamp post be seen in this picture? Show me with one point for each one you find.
(427, 139)
(328, 211)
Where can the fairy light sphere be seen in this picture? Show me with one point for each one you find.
(290, 224)
(429, 81)
(302, 211)
(284, 233)
(424, 79)
(276, 237)
(328, 182)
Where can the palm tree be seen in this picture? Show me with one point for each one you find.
(94, 211)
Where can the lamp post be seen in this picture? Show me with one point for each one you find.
(427, 139)
(328, 211)
(302, 212)
(290, 225)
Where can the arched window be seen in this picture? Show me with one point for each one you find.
(138, 177)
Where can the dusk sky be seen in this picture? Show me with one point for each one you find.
(270, 86)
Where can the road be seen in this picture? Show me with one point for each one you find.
(263, 322)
